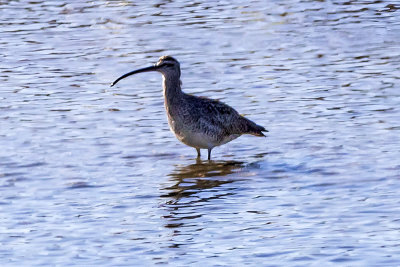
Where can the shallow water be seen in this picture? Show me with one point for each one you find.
(91, 175)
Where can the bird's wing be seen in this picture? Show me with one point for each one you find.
(217, 116)
(228, 119)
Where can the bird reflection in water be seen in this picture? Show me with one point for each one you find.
(185, 200)
(193, 178)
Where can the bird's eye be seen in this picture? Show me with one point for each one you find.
(168, 64)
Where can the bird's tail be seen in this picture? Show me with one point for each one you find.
(255, 129)
(259, 131)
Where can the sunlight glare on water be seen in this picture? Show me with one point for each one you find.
(91, 175)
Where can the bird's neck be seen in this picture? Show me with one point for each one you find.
(172, 88)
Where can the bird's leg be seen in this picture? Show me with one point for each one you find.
(209, 153)
(198, 152)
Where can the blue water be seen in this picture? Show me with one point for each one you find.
(91, 175)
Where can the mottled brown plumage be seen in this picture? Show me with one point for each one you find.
(198, 122)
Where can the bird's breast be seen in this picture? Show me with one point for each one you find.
(188, 133)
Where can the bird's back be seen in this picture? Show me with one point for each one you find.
(212, 118)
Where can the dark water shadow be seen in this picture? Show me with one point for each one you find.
(196, 186)
(201, 175)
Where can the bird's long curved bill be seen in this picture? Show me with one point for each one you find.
(152, 68)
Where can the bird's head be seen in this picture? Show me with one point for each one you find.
(167, 65)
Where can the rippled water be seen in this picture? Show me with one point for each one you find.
(91, 175)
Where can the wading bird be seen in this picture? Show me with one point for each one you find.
(198, 122)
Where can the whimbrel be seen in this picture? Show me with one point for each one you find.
(198, 122)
